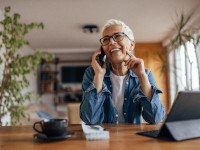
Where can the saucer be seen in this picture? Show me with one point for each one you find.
(44, 137)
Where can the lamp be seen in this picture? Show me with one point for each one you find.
(90, 28)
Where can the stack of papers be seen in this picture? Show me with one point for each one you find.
(95, 132)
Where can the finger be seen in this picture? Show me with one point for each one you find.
(94, 60)
(131, 64)
(95, 65)
(130, 54)
(127, 61)
(96, 53)
(94, 56)
(138, 63)
(104, 66)
(134, 63)
(130, 59)
(127, 57)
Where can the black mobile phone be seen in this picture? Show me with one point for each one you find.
(101, 58)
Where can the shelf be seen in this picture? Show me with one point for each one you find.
(48, 83)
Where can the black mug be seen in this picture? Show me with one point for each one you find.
(52, 127)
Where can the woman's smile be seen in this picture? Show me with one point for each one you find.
(115, 49)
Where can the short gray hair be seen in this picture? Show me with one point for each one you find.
(126, 29)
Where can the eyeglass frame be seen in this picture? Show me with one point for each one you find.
(113, 37)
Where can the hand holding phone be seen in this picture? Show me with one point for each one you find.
(101, 58)
(99, 67)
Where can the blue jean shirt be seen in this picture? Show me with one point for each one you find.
(98, 108)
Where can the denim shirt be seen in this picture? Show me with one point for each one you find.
(98, 108)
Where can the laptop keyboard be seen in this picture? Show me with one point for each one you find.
(153, 133)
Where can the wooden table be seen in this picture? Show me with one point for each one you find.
(122, 137)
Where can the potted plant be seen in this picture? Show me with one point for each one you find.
(16, 67)
(182, 33)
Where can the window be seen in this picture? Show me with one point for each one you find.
(184, 69)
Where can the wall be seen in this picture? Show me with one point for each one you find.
(148, 52)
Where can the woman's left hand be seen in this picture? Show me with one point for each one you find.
(135, 64)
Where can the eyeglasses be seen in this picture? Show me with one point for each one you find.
(117, 37)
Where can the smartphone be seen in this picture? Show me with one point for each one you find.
(101, 58)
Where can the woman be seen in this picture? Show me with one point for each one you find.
(121, 90)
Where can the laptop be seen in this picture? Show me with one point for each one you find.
(183, 120)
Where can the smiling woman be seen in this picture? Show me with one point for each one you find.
(121, 90)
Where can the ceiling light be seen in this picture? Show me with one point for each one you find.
(90, 28)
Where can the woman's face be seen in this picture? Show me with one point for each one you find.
(116, 51)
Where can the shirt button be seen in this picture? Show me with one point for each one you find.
(124, 114)
(125, 99)
(110, 85)
(116, 115)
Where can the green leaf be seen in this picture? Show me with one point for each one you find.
(16, 16)
(17, 66)
(7, 9)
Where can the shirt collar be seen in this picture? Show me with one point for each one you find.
(108, 70)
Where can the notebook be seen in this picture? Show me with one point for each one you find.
(183, 120)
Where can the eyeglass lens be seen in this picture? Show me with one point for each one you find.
(117, 37)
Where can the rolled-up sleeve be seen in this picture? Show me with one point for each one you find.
(91, 108)
(153, 110)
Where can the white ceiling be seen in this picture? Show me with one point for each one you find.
(151, 20)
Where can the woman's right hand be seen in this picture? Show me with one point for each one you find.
(98, 70)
